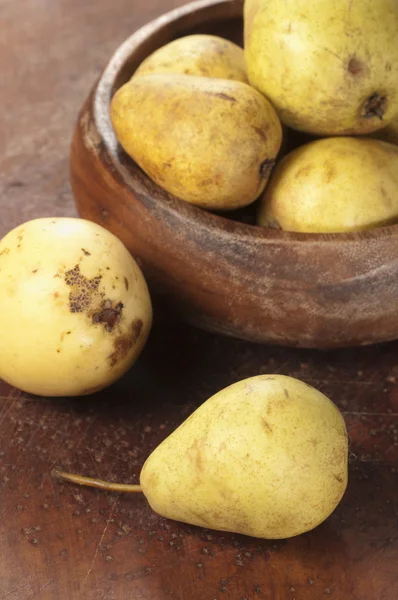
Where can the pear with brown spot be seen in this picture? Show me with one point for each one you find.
(329, 68)
(333, 185)
(210, 142)
(76, 307)
(266, 457)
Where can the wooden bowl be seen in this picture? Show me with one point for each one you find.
(220, 274)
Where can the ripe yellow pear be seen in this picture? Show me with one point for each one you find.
(200, 54)
(329, 68)
(75, 308)
(333, 185)
(210, 142)
(265, 457)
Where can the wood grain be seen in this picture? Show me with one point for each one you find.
(259, 284)
(60, 542)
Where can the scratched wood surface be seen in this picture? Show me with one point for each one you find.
(60, 542)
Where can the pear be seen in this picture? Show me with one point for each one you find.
(199, 54)
(210, 142)
(266, 457)
(332, 70)
(76, 310)
(333, 185)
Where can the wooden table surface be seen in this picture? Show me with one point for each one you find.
(60, 542)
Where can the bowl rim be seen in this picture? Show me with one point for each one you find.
(103, 93)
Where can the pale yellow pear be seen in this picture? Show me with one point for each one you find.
(265, 457)
(333, 185)
(199, 54)
(330, 67)
(76, 311)
(210, 142)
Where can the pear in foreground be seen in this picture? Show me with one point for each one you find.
(266, 457)
(76, 310)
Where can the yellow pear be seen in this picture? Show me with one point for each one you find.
(200, 54)
(330, 185)
(76, 308)
(266, 457)
(329, 68)
(210, 142)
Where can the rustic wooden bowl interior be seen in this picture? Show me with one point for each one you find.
(216, 271)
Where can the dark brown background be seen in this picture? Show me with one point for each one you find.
(60, 542)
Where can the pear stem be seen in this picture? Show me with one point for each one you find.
(97, 483)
